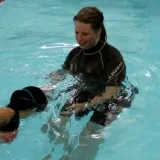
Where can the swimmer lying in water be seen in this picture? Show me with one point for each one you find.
(22, 103)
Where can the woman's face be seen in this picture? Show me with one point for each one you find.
(86, 37)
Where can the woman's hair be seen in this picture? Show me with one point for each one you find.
(28, 98)
(93, 16)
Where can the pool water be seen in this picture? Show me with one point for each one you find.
(35, 38)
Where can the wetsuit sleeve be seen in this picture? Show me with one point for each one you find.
(115, 72)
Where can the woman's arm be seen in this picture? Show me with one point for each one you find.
(75, 108)
(58, 75)
(110, 91)
(114, 75)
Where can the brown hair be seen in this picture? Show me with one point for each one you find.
(93, 16)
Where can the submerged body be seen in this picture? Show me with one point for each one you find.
(98, 67)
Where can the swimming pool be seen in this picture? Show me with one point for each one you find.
(35, 37)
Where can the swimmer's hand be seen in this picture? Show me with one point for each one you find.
(73, 109)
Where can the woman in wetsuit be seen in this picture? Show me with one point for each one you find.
(98, 67)
(22, 103)
(100, 71)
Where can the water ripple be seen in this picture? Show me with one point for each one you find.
(58, 45)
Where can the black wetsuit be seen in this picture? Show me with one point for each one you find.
(102, 63)
(95, 68)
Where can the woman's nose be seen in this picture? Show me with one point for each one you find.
(79, 37)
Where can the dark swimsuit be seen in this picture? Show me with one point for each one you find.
(94, 69)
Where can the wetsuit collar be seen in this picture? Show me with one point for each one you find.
(94, 49)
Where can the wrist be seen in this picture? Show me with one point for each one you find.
(86, 105)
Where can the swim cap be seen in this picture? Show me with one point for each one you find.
(28, 98)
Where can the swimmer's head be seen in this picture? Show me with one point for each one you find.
(28, 98)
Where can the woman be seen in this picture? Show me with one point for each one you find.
(98, 67)
(22, 103)
(100, 71)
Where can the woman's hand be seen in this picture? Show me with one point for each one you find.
(73, 109)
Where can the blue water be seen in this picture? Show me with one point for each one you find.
(35, 38)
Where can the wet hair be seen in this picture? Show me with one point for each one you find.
(93, 16)
(28, 98)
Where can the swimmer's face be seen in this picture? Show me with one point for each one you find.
(86, 36)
